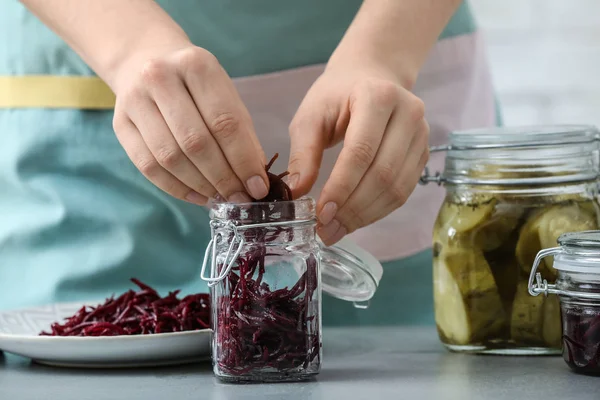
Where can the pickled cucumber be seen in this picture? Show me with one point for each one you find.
(563, 219)
(552, 328)
(447, 238)
(462, 218)
(505, 269)
(590, 206)
(481, 226)
(526, 324)
(497, 230)
(535, 320)
(529, 244)
(542, 230)
(467, 303)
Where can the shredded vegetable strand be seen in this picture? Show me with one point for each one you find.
(137, 313)
(581, 340)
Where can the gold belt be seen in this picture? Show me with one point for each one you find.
(53, 91)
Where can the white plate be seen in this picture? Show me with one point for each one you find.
(19, 334)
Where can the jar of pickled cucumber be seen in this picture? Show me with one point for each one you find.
(510, 192)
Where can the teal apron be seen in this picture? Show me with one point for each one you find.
(77, 220)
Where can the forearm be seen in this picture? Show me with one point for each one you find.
(397, 33)
(105, 33)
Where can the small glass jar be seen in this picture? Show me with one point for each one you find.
(267, 273)
(510, 192)
(577, 260)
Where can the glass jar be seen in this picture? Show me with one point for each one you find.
(510, 192)
(267, 273)
(577, 260)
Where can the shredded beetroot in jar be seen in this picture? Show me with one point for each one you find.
(258, 327)
(279, 190)
(138, 313)
(581, 339)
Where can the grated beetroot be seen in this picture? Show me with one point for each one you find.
(581, 339)
(138, 313)
(258, 327)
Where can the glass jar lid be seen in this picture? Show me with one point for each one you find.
(527, 155)
(349, 272)
(578, 241)
(577, 252)
(521, 137)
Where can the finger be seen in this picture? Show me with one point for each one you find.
(227, 120)
(136, 149)
(386, 204)
(399, 150)
(307, 131)
(259, 150)
(331, 239)
(399, 191)
(165, 149)
(369, 118)
(381, 175)
(191, 135)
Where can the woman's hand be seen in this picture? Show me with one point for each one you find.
(384, 153)
(182, 123)
(364, 99)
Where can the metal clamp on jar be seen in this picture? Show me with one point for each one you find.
(577, 260)
(510, 192)
(267, 273)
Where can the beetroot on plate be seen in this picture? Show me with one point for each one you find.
(138, 313)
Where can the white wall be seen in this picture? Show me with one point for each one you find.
(545, 58)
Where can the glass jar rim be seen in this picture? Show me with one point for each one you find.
(301, 200)
(304, 209)
(582, 240)
(522, 136)
(519, 156)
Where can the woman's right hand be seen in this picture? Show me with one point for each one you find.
(182, 123)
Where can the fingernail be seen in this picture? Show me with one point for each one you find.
(336, 237)
(329, 230)
(293, 181)
(196, 198)
(257, 187)
(239, 197)
(327, 213)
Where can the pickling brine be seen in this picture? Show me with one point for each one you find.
(483, 253)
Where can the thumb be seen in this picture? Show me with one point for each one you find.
(307, 134)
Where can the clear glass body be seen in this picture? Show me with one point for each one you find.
(580, 322)
(483, 254)
(266, 313)
(502, 207)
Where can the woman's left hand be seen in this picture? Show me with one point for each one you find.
(385, 146)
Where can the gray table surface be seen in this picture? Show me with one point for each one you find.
(364, 363)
